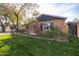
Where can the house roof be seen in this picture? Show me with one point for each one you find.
(45, 17)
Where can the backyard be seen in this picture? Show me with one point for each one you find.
(26, 31)
(30, 46)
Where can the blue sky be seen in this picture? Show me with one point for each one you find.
(70, 10)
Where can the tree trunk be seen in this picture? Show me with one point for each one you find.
(17, 23)
(3, 28)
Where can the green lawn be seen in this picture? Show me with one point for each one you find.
(5, 36)
(23, 45)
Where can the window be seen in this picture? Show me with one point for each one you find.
(45, 26)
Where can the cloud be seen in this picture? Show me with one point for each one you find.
(49, 9)
(69, 10)
(58, 9)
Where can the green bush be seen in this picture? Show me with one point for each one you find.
(54, 33)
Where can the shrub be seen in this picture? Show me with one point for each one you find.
(55, 33)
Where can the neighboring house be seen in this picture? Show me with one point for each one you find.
(44, 22)
(73, 29)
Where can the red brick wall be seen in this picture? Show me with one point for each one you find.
(36, 27)
(58, 22)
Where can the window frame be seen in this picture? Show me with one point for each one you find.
(46, 26)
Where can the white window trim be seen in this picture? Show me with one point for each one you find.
(47, 25)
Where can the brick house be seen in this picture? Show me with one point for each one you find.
(44, 21)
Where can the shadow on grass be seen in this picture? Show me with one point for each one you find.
(14, 46)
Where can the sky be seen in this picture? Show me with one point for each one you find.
(69, 10)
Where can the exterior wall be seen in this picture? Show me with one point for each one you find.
(78, 30)
(59, 23)
(33, 27)
(37, 27)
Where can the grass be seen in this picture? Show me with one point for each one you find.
(5, 36)
(3, 46)
(24, 45)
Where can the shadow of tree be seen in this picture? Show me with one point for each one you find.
(11, 47)
(6, 46)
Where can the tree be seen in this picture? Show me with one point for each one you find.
(19, 13)
(75, 20)
(27, 11)
(31, 10)
(4, 22)
(10, 11)
(7, 11)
